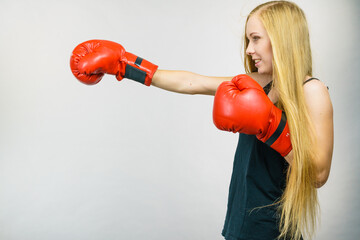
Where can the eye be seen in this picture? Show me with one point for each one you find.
(255, 38)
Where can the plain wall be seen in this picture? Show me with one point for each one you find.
(123, 161)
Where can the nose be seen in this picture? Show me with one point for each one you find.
(250, 49)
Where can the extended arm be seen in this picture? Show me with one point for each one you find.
(187, 82)
(92, 59)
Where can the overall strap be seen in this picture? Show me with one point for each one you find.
(310, 80)
(267, 88)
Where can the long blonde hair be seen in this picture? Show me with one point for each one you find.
(287, 29)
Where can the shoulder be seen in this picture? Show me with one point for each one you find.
(315, 88)
(317, 97)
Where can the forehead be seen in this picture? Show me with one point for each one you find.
(254, 24)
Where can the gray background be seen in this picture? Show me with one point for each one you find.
(124, 161)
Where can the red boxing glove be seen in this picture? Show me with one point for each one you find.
(90, 60)
(242, 106)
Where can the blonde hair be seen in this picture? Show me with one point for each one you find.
(287, 29)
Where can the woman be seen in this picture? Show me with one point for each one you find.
(273, 187)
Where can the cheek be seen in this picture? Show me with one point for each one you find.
(268, 52)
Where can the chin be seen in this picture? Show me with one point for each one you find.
(264, 72)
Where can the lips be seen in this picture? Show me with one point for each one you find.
(257, 61)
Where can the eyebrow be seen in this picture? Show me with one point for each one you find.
(253, 33)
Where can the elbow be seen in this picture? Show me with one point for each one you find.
(323, 172)
(321, 178)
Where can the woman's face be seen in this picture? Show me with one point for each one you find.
(259, 47)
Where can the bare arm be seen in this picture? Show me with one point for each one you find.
(321, 113)
(187, 82)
